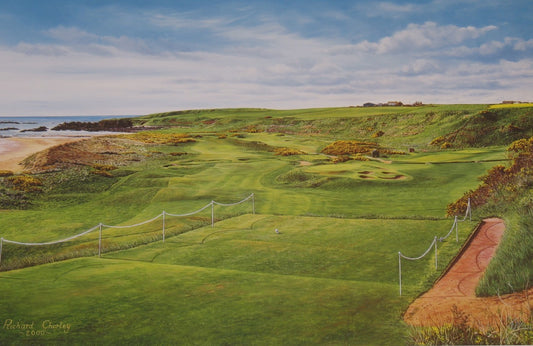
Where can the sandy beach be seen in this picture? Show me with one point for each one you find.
(15, 149)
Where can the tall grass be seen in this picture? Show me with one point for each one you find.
(508, 331)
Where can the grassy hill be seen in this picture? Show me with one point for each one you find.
(329, 277)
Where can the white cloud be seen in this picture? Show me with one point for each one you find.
(71, 34)
(264, 65)
(424, 36)
(422, 66)
(41, 49)
(179, 21)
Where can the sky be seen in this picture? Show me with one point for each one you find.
(97, 57)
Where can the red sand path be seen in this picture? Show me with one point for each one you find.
(457, 287)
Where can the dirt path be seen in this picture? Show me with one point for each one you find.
(457, 287)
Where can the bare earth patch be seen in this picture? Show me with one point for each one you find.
(457, 287)
(305, 163)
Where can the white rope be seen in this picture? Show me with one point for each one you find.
(434, 243)
(138, 224)
(468, 212)
(424, 254)
(400, 256)
(454, 226)
(126, 226)
(52, 242)
(194, 212)
(232, 204)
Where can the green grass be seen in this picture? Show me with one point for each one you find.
(330, 277)
(513, 105)
(320, 281)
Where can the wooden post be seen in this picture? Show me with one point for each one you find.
(456, 230)
(400, 270)
(1, 245)
(100, 242)
(436, 258)
(163, 226)
(212, 213)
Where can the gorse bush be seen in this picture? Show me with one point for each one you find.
(502, 183)
(378, 134)
(104, 167)
(349, 148)
(287, 152)
(25, 183)
(6, 173)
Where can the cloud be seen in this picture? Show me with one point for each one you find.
(422, 67)
(424, 36)
(180, 21)
(390, 7)
(41, 49)
(259, 64)
(71, 34)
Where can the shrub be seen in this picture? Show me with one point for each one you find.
(161, 138)
(5, 173)
(294, 176)
(10, 199)
(438, 141)
(100, 167)
(378, 134)
(460, 332)
(103, 173)
(25, 183)
(349, 148)
(253, 129)
(446, 145)
(287, 152)
(340, 159)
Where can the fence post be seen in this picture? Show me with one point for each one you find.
(456, 230)
(400, 270)
(100, 242)
(436, 257)
(163, 226)
(469, 209)
(212, 213)
(1, 245)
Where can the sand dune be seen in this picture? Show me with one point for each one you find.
(15, 149)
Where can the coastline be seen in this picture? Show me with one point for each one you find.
(15, 149)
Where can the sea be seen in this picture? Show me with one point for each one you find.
(15, 126)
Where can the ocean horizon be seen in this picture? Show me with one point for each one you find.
(21, 126)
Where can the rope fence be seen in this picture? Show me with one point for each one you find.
(433, 244)
(100, 226)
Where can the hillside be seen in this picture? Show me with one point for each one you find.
(461, 126)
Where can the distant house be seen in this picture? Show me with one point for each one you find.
(510, 102)
(394, 104)
(369, 104)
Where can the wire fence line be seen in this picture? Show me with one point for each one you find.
(468, 214)
(100, 226)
